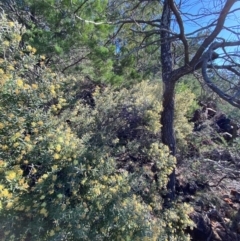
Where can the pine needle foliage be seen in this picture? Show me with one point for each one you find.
(70, 170)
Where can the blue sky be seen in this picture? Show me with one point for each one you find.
(209, 7)
(208, 11)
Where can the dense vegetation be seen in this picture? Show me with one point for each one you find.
(81, 149)
(68, 161)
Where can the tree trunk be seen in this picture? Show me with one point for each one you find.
(168, 137)
(167, 116)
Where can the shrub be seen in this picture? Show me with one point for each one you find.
(71, 170)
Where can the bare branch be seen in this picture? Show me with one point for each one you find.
(182, 32)
(80, 6)
(215, 32)
(226, 67)
(76, 62)
(206, 58)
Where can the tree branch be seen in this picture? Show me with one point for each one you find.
(215, 32)
(76, 62)
(205, 59)
(181, 27)
(80, 6)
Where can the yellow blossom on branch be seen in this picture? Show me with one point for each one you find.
(19, 83)
(44, 212)
(1, 125)
(11, 175)
(58, 147)
(11, 24)
(56, 156)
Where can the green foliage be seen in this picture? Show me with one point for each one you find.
(58, 30)
(190, 85)
(77, 170)
(185, 102)
(138, 57)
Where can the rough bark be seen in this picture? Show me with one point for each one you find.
(168, 137)
(167, 116)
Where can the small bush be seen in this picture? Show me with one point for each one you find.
(71, 170)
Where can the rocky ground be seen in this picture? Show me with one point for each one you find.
(208, 177)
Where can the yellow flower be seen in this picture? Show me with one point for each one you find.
(11, 24)
(5, 193)
(10, 67)
(35, 130)
(11, 175)
(2, 164)
(51, 191)
(26, 87)
(42, 96)
(58, 147)
(9, 205)
(17, 135)
(29, 48)
(5, 147)
(35, 86)
(54, 167)
(1, 125)
(21, 119)
(19, 82)
(44, 176)
(17, 37)
(29, 147)
(51, 233)
(40, 123)
(60, 140)
(27, 138)
(52, 87)
(61, 100)
(16, 144)
(54, 177)
(54, 108)
(34, 50)
(44, 212)
(56, 156)
(40, 180)
(5, 43)
(42, 197)
(11, 115)
(1, 71)
(104, 178)
(59, 195)
(53, 92)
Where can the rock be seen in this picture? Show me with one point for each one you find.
(211, 113)
(228, 156)
(203, 227)
(225, 196)
(228, 201)
(224, 123)
(192, 188)
(236, 195)
(196, 116)
(216, 154)
(227, 136)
